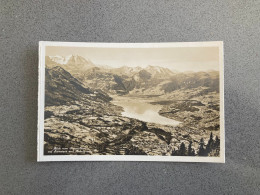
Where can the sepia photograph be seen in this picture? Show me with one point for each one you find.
(131, 102)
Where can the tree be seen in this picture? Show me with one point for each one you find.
(217, 142)
(210, 145)
(182, 150)
(211, 136)
(132, 150)
(202, 151)
(191, 151)
(174, 152)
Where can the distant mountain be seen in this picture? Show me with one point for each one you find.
(71, 59)
(72, 63)
(76, 64)
(105, 80)
(149, 80)
(61, 87)
(193, 80)
(50, 63)
(75, 60)
(125, 70)
(103, 66)
(159, 71)
(122, 80)
(60, 59)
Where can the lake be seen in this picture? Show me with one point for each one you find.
(141, 109)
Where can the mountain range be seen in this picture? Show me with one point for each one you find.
(71, 63)
(153, 80)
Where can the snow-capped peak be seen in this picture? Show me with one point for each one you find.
(70, 59)
(157, 69)
(60, 59)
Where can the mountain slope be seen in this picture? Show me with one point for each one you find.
(61, 87)
(193, 80)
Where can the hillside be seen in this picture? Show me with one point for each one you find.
(61, 87)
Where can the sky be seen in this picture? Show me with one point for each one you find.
(178, 58)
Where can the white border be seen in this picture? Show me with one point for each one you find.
(41, 100)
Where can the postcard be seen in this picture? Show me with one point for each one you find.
(131, 102)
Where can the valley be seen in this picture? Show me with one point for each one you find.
(127, 111)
